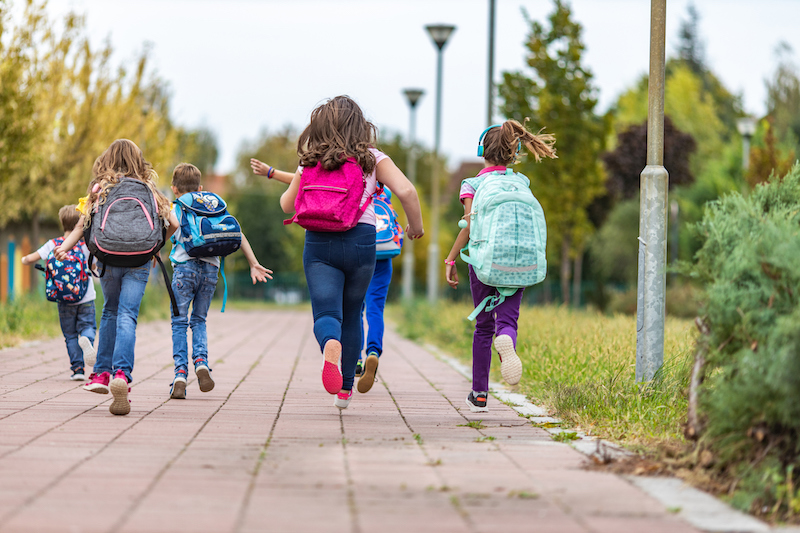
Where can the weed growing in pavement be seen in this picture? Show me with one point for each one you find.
(579, 365)
(474, 424)
(564, 436)
(487, 438)
(418, 438)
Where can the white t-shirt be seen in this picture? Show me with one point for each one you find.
(47, 249)
(178, 254)
(372, 185)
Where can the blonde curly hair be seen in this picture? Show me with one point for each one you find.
(123, 159)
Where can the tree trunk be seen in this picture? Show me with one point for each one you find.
(577, 278)
(548, 293)
(565, 269)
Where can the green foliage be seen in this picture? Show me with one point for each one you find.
(26, 318)
(558, 94)
(750, 265)
(783, 98)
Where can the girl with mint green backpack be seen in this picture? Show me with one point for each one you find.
(503, 230)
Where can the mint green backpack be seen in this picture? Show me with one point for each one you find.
(507, 237)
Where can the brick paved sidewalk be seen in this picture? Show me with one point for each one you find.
(267, 451)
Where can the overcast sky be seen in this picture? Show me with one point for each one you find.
(242, 66)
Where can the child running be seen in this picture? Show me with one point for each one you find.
(76, 314)
(336, 147)
(194, 280)
(499, 145)
(122, 167)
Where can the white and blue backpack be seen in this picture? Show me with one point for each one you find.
(507, 236)
(207, 229)
(388, 230)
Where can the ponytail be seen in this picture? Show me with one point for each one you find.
(502, 145)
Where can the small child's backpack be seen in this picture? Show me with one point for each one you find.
(330, 200)
(507, 237)
(389, 231)
(126, 231)
(207, 229)
(66, 281)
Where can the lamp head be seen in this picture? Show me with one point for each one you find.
(440, 33)
(413, 96)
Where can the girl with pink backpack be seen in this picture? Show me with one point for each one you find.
(331, 197)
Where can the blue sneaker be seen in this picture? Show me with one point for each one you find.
(177, 390)
(203, 374)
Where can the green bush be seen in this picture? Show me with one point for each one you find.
(750, 265)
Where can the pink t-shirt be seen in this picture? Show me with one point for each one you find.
(468, 191)
(372, 185)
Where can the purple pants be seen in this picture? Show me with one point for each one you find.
(502, 320)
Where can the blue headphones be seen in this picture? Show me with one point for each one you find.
(480, 139)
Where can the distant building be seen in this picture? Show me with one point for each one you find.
(216, 183)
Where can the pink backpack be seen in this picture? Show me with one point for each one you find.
(330, 200)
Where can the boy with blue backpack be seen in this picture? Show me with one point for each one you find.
(207, 233)
(69, 284)
(504, 230)
(388, 243)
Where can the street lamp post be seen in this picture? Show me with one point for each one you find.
(652, 279)
(490, 88)
(412, 96)
(747, 128)
(439, 34)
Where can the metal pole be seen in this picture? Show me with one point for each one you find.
(408, 244)
(433, 248)
(746, 153)
(490, 89)
(651, 301)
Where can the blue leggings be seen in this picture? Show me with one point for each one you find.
(374, 304)
(338, 269)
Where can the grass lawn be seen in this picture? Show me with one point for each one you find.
(578, 364)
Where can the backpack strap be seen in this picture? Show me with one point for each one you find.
(493, 300)
(224, 283)
(168, 283)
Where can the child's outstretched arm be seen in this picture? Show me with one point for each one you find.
(71, 240)
(391, 176)
(289, 196)
(31, 258)
(263, 169)
(257, 272)
(450, 270)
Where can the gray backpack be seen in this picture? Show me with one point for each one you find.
(126, 231)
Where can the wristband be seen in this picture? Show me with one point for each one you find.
(270, 172)
(446, 262)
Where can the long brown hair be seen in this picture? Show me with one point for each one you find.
(500, 145)
(337, 131)
(123, 159)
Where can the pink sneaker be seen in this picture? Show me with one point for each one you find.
(119, 389)
(331, 375)
(98, 383)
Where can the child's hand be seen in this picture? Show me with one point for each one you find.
(451, 273)
(259, 168)
(414, 233)
(25, 260)
(259, 273)
(60, 253)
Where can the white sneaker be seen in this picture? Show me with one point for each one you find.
(204, 378)
(510, 365)
(78, 375)
(343, 399)
(177, 390)
(89, 353)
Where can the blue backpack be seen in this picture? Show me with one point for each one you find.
(389, 232)
(66, 281)
(207, 229)
(507, 236)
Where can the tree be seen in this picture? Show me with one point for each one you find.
(625, 163)
(558, 94)
(783, 98)
(199, 147)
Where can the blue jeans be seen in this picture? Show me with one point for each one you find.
(123, 289)
(374, 304)
(77, 321)
(193, 282)
(338, 269)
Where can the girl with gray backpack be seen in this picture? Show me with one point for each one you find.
(503, 230)
(126, 220)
